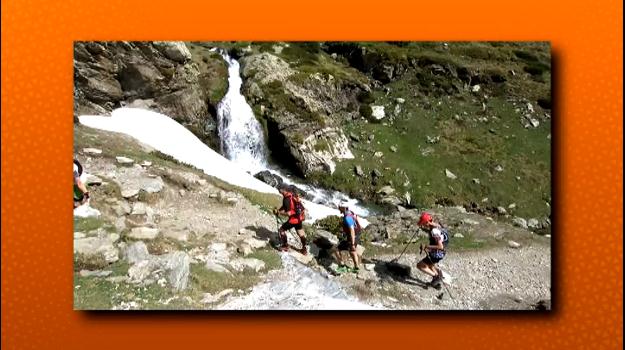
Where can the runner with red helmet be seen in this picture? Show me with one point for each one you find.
(435, 250)
(293, 208)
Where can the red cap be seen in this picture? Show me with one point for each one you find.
(425, 218)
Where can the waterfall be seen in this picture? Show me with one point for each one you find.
(243, 143)
(240, 133)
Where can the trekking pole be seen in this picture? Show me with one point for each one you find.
(406, 247)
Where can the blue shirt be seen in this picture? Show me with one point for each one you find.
(348, 222)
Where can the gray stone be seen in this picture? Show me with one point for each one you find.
(499, 168)
(143, 233)
(502, 211)
(513, 244)
(332, 239)
(124, 160)
(255, 243)
(393, 149)
(146, 164)
(476, 181)
(215, 267)
(181, 236)
(92, 151)
(136, 252)
(244, 249)
(400, 100)
(376, 173)
(533, 223)
(520, 222)
(177, 266)
(92, 180)
(241, 264)
(471, 222)
(174, 50)
(358, 171)
(377, 112)
(139, 208)
(92, 246)
(129, 192)
(78, 235)
(386, 190)
(512, 206)
(378, 154)
(458, 235)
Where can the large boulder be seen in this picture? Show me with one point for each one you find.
(269, 178)
(94, 246)
(174, 50)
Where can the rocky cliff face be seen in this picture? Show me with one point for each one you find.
(162, 76)
(302, 111)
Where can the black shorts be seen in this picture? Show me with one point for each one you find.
(287, 226)
(346, 244)
(431, 259)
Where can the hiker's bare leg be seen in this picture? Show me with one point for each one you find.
(354, 257)
(302, 236)
(425, 268)
(337, 255)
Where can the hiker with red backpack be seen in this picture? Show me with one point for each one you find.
(351, 231)
(435, 250)
(293, 208)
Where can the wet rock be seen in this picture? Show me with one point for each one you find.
(271, 179)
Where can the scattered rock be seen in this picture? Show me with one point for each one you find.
(215, 267)
(241, 264)
(358, 171)
(174, 50)
(269, 178)
(458, 235)
(369, 267)
(93, 246)
(499, 168)
(520, 222)
(513, 244)
(244, 249)
(371, 137)
(124, 161)
(146, 164)
(354, 137)
(476, 181)
(393, 149)
(376, 173)
(450, 175)
(400, 100)
(475, 88)
(256, 243)
(92, 151)
(143, 233)
(533, 223)
(501, 211)
(130, 192)
(512, 206)
(378, 154)
(468, 221)
(386, 190)
(433, 140)
(136, 252)
(377, 112)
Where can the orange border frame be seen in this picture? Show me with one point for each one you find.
(37, 99)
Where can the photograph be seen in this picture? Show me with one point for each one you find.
(322, 175)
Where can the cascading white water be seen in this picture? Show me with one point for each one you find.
(243, 143)
(240, 133)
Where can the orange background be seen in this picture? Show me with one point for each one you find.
(37, 86)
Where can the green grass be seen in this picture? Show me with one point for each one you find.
(87, 224)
